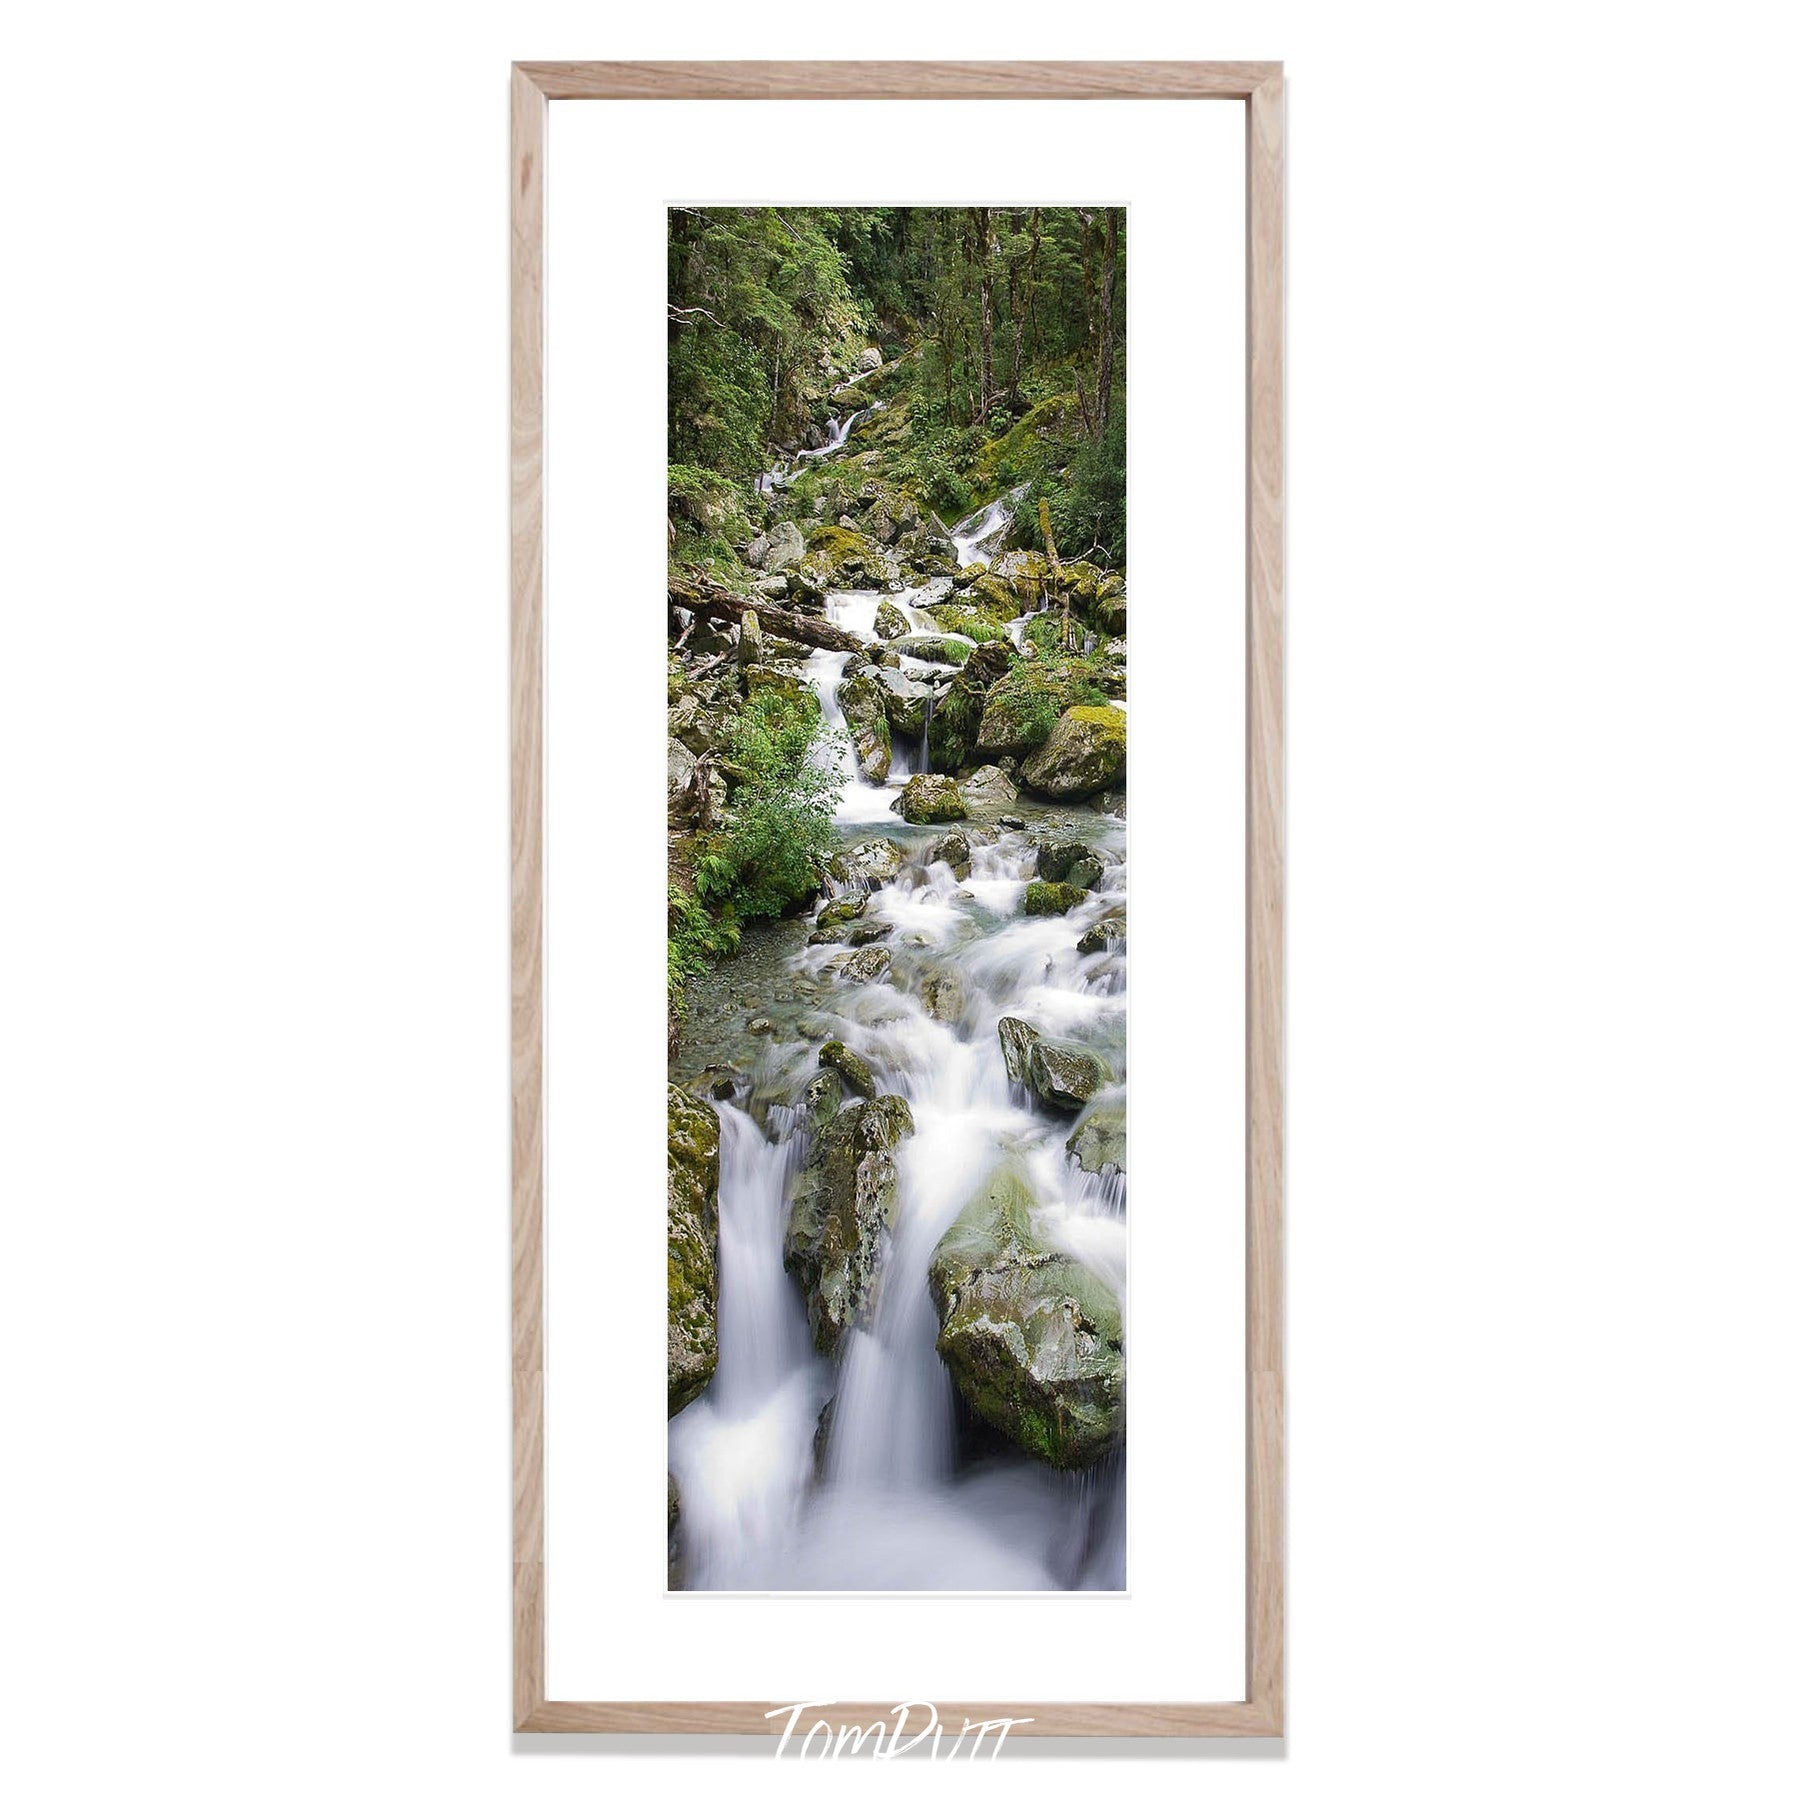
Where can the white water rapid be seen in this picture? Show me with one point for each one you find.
(979, 535)
(799, 1471)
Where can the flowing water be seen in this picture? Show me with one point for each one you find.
(802, 1472)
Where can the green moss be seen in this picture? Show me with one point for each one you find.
(1051, 899)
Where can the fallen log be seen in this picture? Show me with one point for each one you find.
(719, 602)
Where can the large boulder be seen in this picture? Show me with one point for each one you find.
(1063, 1075)
(843, 1210)
(890, 621)
(869, 359)
(871, 863)
(1068, 860)
(863, 698)
(1108, 934)
(1050, 899)
(956, 723)
(1083, 754)
(1098, 1141)
(1023, 706)
(1033, 1339)
(857, 1075)
(784, 548)
(931, 800)
(692, 1246)
(951, 652)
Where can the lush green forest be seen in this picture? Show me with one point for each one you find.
(897, 896)
(1003, 344)
(893, 401)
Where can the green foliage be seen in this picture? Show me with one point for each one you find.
(774, 844)
(696, 937)
(1086, 502)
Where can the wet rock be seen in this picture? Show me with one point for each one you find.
(863, 697)
(1050, 899)
(692, 1247)
(842, 1212)
(889, 620)
(871, 863)
(841, 911)
(856, 933)
(1108, 934)
(1015, 1040)
(1082, 755)
(1033, 1340)
(857, 1075)
(1098, 1141)
(954, 850)
(867, 965)
(931, 800)
(1068, 860)
(943, 996)
(1065, 1075)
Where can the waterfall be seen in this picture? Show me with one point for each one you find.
(981, 533)
(799, 1471)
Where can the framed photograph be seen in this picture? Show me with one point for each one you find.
(897, 532)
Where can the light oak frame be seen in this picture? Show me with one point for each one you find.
(1259, 86)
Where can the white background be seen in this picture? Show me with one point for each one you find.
(612, 1630)
(1542, 968)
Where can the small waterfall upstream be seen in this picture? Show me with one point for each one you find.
(798, 1471)
(979, 535)
(839, 429)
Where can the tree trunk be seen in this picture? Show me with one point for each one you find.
(1020, 314)
(717, 602)
(984, 262)
(1108, 294)
(1055, 570)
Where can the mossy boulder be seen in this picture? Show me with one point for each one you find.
(857, 1075)
(890, 621)
(956, 723)
(945, 999)
(692, 1246)
(931, 800)
(1068, 860)
(871, 863)
(1108, 612)
(784, 680)
(1108, 934)
(1024, 704)
(951, 652)
(1082, 754)
(1033, 1339)
(843, 1211)
(1063, 1075)
(1098, 1141)
(1050, 899)
(839, 557)
(863, 697)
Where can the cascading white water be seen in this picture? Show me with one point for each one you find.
(981, 533)
(776, 1491)
(772, 480)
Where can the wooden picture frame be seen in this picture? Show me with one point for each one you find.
(1259, 88)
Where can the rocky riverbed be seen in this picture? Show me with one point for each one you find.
(897, 1154)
